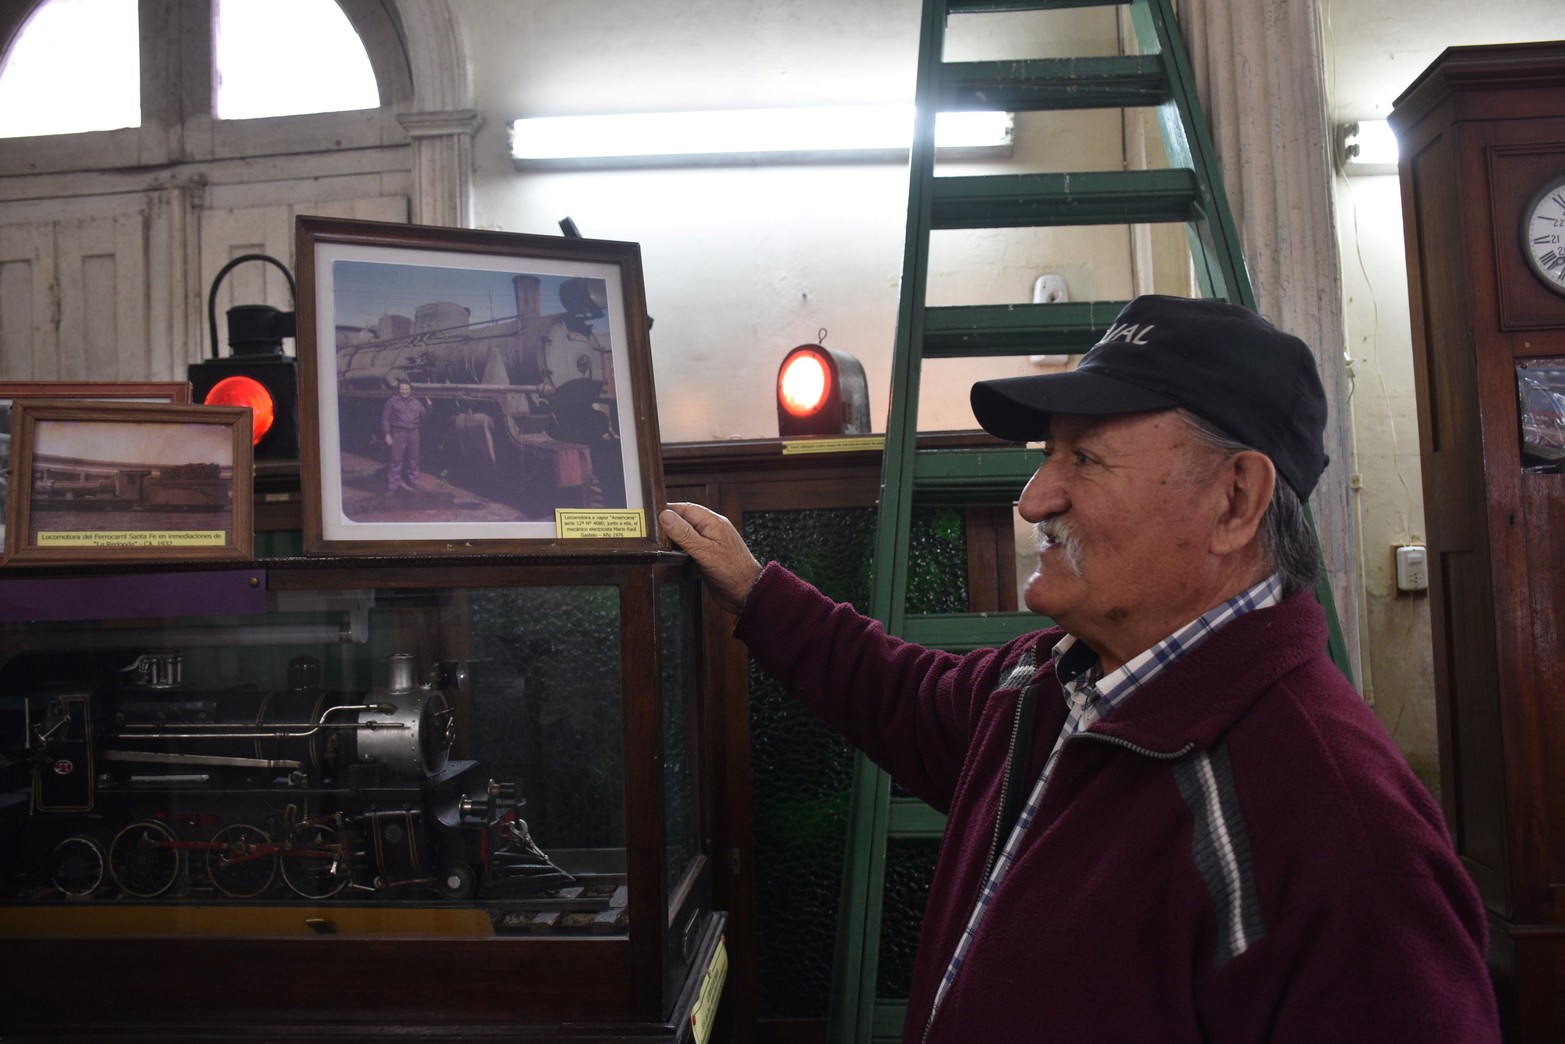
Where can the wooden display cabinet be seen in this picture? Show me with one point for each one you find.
(355, 798)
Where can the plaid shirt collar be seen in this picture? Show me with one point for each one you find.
(1079, 668)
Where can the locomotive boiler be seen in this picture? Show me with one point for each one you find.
(524, 409)
(142, 787)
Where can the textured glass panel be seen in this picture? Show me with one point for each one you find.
(937, 556)
(681, 813)
(802, 771)
(548, 660)
(910, 867)
(937, 574)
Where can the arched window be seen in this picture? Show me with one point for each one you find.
(286, 57)
(80, 55)
(269, 58)
(112, 229)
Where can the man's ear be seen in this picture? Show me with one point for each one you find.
(1248, 479)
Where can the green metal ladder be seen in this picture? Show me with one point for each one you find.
(1189, 190)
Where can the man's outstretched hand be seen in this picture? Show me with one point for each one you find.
(726, 564)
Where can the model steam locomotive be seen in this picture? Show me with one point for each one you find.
(145, 788)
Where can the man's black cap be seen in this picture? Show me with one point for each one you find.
(1220, 361)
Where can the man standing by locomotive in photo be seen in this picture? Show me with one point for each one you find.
(400, 420)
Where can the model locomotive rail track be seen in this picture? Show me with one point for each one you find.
(596, 903)
(596, 894)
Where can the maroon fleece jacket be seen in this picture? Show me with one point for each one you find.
(1237, 853)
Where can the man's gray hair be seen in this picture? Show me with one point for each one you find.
(1287, 540)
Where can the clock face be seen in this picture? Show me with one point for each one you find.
(1543, 235)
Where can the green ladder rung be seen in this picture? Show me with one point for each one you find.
(984, 331)
(912, 820)
(964, 632)
(1000, 467)
(1112, 82)
(996, 6)
(1120, 197)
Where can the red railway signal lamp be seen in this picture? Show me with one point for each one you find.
(257, 374)
(821, 391)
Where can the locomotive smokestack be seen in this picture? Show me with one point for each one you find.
(529, 296)
(402, 673)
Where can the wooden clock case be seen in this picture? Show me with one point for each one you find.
(1480, 131)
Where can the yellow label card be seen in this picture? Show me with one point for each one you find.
(579, 523)
(705, 1012)
(847, 444)
(134, 538)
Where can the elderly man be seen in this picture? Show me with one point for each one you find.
(1170, 817)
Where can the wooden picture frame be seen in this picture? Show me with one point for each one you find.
(535, 429)
(137, 481)
(138, 391)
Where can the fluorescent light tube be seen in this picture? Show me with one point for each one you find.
(746, 135)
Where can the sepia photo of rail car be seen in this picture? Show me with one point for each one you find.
(85, 486)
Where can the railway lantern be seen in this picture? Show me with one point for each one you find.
(257, 374)
(821, 391)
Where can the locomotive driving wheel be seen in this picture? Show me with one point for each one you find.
(315, 861)
(77, 864)
(245, 862)
(144, 860)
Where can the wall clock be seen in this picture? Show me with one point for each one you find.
(1543, 234)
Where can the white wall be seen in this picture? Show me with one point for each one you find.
(1398, 670)
(743, 264)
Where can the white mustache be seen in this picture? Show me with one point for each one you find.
(1056, 532)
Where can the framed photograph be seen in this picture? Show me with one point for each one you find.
(469, 391)
(114, 481)
(135, 391)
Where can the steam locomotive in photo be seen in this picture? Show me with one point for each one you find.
(144, 788)
(523, 409)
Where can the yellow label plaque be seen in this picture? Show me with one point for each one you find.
(134, 538)
(581, 523)
(848, 444)
(704, 1014)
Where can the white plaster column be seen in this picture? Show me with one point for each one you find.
(442, 165)
(1258, 67)
(441, 120)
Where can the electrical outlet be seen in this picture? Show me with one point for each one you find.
(1412, 567)
(1050, 288)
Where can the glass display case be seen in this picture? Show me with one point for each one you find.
(356, 797)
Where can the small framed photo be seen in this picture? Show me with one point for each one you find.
(467, 391)
(140, 481)
(1540, 394)
(134, 391)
